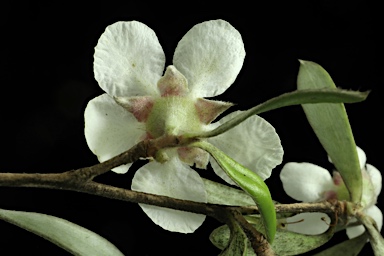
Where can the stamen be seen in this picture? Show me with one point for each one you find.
(329, 224)
(288, 223)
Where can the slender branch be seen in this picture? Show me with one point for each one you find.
(143, 149)
(219, 212)
(140, 150)
(60, 181)
(325, 207)
(127, 195)
(373, 231)
(51, 180)
(80, 180)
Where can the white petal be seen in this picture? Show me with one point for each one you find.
(375, 178)
(254, 143)
(176, 180)
(110, 129)
(362, 157)
(309, 223)
(375, 213)
(129, 60)
(305, 181)
(355, 231)
(210, 56)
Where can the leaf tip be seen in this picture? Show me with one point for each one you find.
(303, 62)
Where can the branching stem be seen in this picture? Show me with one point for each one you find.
(81, 180)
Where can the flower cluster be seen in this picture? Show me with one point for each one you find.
(311, 183)
(140, 104)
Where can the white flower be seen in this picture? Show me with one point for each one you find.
(141, 104)
(310, 183)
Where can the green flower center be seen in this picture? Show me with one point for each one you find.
(173, 115)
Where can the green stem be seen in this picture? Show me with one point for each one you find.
(299, 97)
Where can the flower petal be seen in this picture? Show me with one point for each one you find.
(309, 223)
(362, 157)
(259, 138)
(305, 181)
(210, 56)
(376, 178)
(373, 212)
(129, 60)
(355, 231)
(110, 129)
(176, 180)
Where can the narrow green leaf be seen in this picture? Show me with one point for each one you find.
(298, 97)
(237, 243)
(350, 247)
(309, 96)
(250, 182)
(286, 243)
(69, 236)
(331, 125)
(290, 243)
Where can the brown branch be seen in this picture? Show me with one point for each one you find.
(325, 207)
(219, 212)
(60, 181)
(80, 180)
(127, 195)
(143, 149)
(64, 181)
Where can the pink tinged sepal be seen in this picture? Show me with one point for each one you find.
(337, 180)
(340, 188)
(208, 110)
(193, 156)
(139, 106)
(173, 83)
(329, 195)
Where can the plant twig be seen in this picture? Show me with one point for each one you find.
(60, 181)
(80, 180)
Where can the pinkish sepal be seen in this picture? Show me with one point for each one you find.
(139, 106)
(173, 83)
(208, 110)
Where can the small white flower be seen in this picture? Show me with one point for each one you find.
(141, 104)
(307, 182)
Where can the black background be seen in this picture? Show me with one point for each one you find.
(47, 80)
